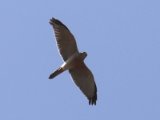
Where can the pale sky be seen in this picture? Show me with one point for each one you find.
(122, 39)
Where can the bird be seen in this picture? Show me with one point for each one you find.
(73, 61)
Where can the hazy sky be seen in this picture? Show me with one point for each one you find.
(122, 39)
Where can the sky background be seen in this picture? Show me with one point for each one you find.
(122, 39)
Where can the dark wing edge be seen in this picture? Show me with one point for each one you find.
(93, 99)
(77, 74)
(66, 42)
(56, 21)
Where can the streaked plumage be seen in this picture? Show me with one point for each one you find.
(73, 61)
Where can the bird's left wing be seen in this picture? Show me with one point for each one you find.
(65, 40)
(84, 79)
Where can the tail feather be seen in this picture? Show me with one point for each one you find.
(55, 73)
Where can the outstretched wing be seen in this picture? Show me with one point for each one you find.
(65, 40)
(84, 79)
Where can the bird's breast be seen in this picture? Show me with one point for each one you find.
(73, 61)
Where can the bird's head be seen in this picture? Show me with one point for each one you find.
(83, 55)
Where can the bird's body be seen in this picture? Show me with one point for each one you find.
(73, 61)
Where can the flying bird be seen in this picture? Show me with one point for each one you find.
(73, 61)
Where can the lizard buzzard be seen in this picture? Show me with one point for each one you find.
(73, 61)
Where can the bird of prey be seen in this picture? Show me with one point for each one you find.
(73, 61)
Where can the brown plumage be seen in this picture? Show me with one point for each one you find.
(73, 61)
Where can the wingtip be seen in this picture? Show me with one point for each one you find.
(92, 101)
(52, 20)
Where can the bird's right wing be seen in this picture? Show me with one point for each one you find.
(84, 79)
(65, 40)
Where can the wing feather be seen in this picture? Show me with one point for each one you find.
(84, 79)
(65, 40)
